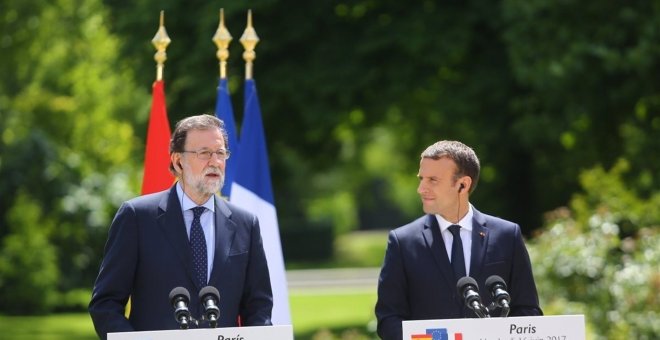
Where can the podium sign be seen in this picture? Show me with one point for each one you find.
(559, 327)
(284, 332)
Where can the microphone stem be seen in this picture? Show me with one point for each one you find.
(478, 309)
(505, 310)
(484, 311)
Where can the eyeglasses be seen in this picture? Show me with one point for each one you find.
(205, 155)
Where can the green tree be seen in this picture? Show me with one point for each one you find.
(588, 91)
(541, 90)
(349, 75)
(68, 106)
(28, 260)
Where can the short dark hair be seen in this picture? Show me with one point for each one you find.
(467, 162)
(199, 122)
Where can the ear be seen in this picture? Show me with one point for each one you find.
(175, 158)
(465, 183)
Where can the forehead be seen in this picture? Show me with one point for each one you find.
(443, 167)
(208, 138)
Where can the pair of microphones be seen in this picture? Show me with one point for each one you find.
(208, 296)
(468, 289)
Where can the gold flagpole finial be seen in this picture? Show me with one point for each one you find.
(222, 38)
(160, 41)
(249, 40)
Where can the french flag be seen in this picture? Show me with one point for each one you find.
(252, 190)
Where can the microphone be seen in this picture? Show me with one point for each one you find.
(469, 290)
(179, 298)
(501, 298)
(210, 297)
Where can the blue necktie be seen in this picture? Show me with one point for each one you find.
(198, 247)
(457, 257)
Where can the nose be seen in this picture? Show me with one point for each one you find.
(421, 188)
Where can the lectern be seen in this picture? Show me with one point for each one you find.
(560, 327)
(284, 332)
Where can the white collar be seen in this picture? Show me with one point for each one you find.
(187, 203)
(465, 222)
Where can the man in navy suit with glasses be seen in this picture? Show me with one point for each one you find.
(186, 236)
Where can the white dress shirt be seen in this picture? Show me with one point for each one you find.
(466, 236)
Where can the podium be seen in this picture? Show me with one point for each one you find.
(284, 332)
(559, 327)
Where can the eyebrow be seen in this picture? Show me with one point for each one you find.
(428, 177)
(211, 149)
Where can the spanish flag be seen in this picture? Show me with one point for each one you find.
(157, 176)
(421, 337)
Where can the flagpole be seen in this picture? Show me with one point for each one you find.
(160, 41)
(249, 40)
(223, 107)
(222, 38)
(157, 175)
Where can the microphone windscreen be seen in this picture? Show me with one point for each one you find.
(492, 280)
(209, 290)
(179, 292)
(464, 282)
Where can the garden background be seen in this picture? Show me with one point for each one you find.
(560, 100)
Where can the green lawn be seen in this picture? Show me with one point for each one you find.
(51, 327)
(344, 314)
(315, 314)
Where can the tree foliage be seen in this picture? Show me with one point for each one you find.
(28, 260)
(541, 90)
(67, 149)
(351, 93)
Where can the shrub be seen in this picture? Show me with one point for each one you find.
(601, 257)
(28, 264)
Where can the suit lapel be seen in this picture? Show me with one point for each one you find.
(225, 229)
(171, 223)
(480, 235)
(436, 246)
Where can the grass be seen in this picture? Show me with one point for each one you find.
(333, 315)
(316, 315)
(49, 327)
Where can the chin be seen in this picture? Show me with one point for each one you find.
(211, 188)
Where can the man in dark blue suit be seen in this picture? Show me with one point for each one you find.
(417, 280)
(150, 251)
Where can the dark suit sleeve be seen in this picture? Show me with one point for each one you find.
(524, 297)
(392, 306)
(257, 301)
(113, 284)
